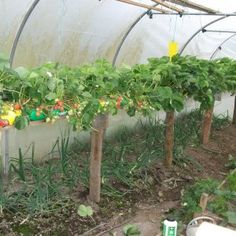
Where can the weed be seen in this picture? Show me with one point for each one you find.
(17, 165)
(192, 194)
(231, 162)
(221, 203)
(131, 229)
(85, 211)
(126, 160)
(231, 181)
(221, 121)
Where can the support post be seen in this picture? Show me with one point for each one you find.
(169, 143)
(234, 114)
(206, 127)
(97, 134)
(5, 151)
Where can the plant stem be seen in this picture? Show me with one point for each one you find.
(169, 143)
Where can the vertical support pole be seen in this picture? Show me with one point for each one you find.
(169, 143)
(97, 134)
(234, 114)
(5, 151)
(206, 127)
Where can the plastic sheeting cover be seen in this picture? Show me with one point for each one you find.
(80, 31)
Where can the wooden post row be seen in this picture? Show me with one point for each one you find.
(169, 143)
(234, 114)
(206, 126)
(97, 134)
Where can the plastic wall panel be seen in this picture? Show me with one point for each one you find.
(73, 32)
(151, 36)
(204, 44)
(227, 49)
(11, 14)
(80, 31)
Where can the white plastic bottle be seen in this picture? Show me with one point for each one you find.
(170, 227)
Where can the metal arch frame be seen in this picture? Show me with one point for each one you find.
(31, 9)
(127, 34)
(198, 31)
(20, 30)
(216, 50)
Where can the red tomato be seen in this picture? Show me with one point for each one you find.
(118, 102)
(17, 106)
(4, 123)
(60, 103)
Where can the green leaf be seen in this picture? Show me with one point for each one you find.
(33, 75)
(177, 103)
(21, 122)
(51, 84)
(85, 211)
(81, 87)
(51, 96)
(164, 92)
(131, 111)
(87, 95)
(231, 215)
(22, 72)
(131, 230)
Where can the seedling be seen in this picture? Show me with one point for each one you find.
(85, 211)
(131, 230)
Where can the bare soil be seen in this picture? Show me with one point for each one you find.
(146, 208)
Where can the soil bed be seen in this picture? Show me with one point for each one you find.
(146, 205)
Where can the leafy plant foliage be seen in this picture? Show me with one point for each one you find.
(81, 93)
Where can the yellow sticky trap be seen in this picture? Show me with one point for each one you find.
(172, 49)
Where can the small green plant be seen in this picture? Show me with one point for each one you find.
(219, 205)
(221, 121)
(85, 211)
(192, 194)
(231, 216)
(18, 166)
(131, 230)
(232, 162)
(231, 181)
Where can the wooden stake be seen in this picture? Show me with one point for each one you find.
(161, 2)
(193, 5)
(143, 5)
(203, 204)
(169, 144)
(203, 201)
(97, 135)
(234, 114)
(206, 128)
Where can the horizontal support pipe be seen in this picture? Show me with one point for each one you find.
(219, 31)
(194, 14)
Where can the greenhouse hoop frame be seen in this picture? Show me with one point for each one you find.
(131, 27)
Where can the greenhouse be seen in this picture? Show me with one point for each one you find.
(118, 117)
